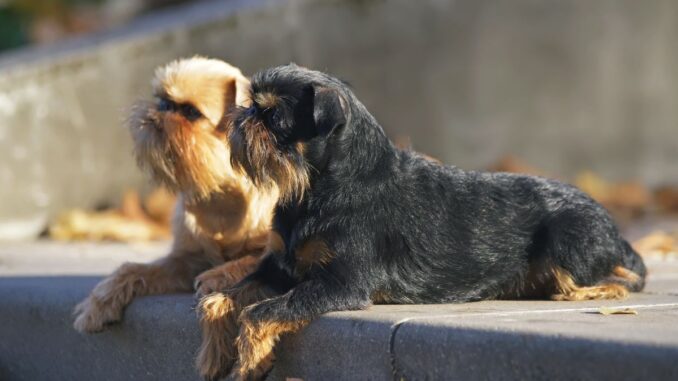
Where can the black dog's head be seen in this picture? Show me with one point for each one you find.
(282, 135)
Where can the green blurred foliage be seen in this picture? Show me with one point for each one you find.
(17, 17)
(12, 29)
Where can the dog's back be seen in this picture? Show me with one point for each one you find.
(476, 235)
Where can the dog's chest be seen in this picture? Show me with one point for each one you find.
(303, 248)
(217, 217)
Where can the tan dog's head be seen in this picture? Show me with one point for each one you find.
(182, 136)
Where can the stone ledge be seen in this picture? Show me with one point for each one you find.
(487, 340)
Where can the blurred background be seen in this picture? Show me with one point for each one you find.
(584, 91)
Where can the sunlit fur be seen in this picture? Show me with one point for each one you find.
(189, 156)
(222, 220)
(256, 153)
(377, 224)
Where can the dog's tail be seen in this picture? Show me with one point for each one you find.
(634, 270)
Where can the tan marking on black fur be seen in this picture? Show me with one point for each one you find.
(381, 297)
(262, 159)
(218, 321)
(256, 342)
(266, 100)
(312, 252)
(301, 148)
(567, 289)
(626, 274)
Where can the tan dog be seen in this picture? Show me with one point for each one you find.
(222, 221)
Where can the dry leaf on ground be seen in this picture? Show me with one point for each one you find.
(617, 311)
(667, 199)
(513, 164)
(658, 243)
(627, 199)
(131, 222)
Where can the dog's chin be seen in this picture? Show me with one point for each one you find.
(190, 161)
(268, 167)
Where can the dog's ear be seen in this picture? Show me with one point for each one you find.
(237, 92)
(243, 96)
(328, 110)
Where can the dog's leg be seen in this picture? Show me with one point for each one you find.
(218, 314)
(225, 276)
(105, 304)
(583, 257)
(567, 289)
(263, 323)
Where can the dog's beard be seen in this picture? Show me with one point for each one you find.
(185, 159)
(255, 152)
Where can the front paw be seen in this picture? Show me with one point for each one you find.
(214, 280)
(212, 363)
(248, 375)
(91, 315)
(259, 372)
(217, 351)
(255, 344)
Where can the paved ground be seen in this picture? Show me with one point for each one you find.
(56, 258)
(475, 341)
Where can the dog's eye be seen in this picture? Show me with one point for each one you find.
(190, 112)
(272, 118)
(165, 104)
(269, 115)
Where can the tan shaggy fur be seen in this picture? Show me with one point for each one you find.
(256, 342)
(626, 274)
(567, 289)
(219, 324)
(267, 100)
(224, 276)
(313, 252)
(221, 222)
(277, 171)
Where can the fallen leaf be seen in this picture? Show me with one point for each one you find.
(513, 164)
(616, 311)
(658, 243)
(666, 198)
(128, 223)
(624, 200)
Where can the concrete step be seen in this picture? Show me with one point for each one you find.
(506, 340)
(156, 341)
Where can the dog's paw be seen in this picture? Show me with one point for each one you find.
(217, 352)
(214, 280)
(255, 349)
(92, 316)
(211, 363)
(239, 373)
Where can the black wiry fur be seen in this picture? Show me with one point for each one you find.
(404, 229)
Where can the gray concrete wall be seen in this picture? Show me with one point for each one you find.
(564, 84)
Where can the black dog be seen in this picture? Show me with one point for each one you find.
(363, 222)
